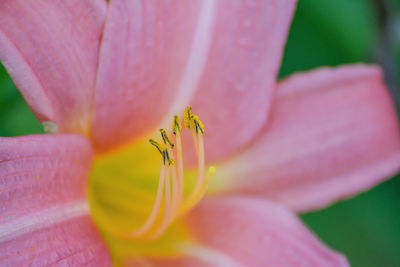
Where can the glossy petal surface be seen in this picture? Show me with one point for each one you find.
(332, 134)
(50, 49)
(45, 216)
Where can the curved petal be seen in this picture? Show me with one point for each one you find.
(50, 50)
(171, 52)
(45, 215)
(143, 55)
(235, 90)
(243, 231)
(73, 242)
(332, 134)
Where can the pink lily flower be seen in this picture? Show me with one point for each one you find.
(105, 76)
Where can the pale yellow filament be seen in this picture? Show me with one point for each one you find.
(198, 139)
(167, 210)
(171, 192)
(157, 204)
(201, 183)
(175, 192)
(194, 137)
(179, 163)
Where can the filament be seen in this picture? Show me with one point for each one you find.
(170, 202)
(179, 165)
(156, 208)
(200, 160)
(167, 209)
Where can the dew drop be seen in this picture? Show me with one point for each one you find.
(50, 127)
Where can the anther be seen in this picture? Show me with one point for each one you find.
(176, 125)
(167, 158)
(165, 138)
(187, 117)
(198, 124)
(157, 145)
(171, 184)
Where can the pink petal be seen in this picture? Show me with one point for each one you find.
(242, 231)
(50, 49)
(157, 56)
(72, 242)
(332, 134)
(235, 90)
(45, 215)
(143, 56)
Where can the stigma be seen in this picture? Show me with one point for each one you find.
(170, 202)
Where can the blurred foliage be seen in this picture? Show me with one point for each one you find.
(324, 32)
(365, 228)
(15, 116)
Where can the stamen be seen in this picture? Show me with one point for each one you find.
(202, 182)
(167, 158)
(187, 117)
(157, 145)
(170, 156)
(170, 192)
(167, 210)
(176, 125)
(194, 137)
(175, 193)
(165, 138)
(198, 124)
(188, 205)
(200, 175)
(156, 208)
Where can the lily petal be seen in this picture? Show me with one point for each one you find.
(50, 50)
(45, 215)
(235, 90)
(333, 133)
(245, 231)
(143, 56)
(170, 54)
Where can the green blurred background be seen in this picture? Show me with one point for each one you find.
(324, 32)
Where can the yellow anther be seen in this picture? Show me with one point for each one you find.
(198, 124)
(157, 145)
(167, 158)
(165, 138)
(187, 117)
(176, 124)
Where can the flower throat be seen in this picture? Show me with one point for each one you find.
(127, 202)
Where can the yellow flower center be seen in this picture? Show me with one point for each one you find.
(138, 206)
